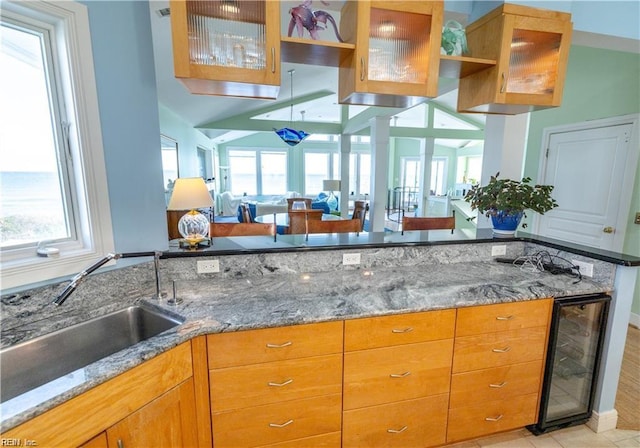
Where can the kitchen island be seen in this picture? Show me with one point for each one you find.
(260, 290)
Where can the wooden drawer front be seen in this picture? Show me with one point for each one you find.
(331, 440)
(384, 375)
(404, 424)
(503, 316)
(239, 387)
(498, 383)
(274, 423)
(491, 417)
(273, 344)
(499, 349)
(375, 332)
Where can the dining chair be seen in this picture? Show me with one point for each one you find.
(307, 202)
(242, 229)
(298, 219)
(360, 209)
(334, 226)
(246, 213)
(429, 223)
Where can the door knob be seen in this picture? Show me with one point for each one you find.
(608, 229)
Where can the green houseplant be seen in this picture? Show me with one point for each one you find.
(505, 201)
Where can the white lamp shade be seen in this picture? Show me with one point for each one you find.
(331, 185)
(190, 193)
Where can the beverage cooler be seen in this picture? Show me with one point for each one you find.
(573, 358)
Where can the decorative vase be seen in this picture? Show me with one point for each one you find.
(505, 224)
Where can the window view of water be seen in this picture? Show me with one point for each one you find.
(31, 208)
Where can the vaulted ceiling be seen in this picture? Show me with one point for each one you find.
(314, 101)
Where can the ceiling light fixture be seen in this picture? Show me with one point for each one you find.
(289, 135)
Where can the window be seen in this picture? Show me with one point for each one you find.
(52, 175)
(469, 169)
(257, 172)
(319, 166)
(359, 174)
(243, 175)
(438, 176)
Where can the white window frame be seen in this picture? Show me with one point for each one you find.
(73, 61)
(258, 168)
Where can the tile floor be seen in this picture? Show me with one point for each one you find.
(574, 437)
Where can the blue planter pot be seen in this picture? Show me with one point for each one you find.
(506, 224)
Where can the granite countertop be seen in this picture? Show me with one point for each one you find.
(220, 305)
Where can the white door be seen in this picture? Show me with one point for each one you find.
(590, 171)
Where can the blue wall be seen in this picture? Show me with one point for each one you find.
(128, 104)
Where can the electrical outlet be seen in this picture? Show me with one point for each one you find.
(208, 266)
(586, 269)
(496, 251)
(350, 259)
(637, 220)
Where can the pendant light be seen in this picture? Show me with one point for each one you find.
(289, 135)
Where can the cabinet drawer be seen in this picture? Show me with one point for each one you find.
(503, 316)
(265, 383)
(403, 372)
(498, 383)
(274, 423)
(273, 344)
(398, 329)
(331, 440)
(499, 349)
(404, 424)
(491, 417)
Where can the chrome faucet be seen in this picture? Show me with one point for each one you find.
(75, 281)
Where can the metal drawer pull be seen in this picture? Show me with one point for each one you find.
(362, 72)
(505, 317)
(501, 350)
(287, 423)
(493, 419)
(498, 386)
(400, 375)
(402, 330)
(397, 431)
(286, 344)
(120, 443)
(289, 381)
(504, 83)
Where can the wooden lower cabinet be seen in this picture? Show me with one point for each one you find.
(277, 387)
(166, 422)
(480, 419)
(403, 424)
(269, 424)
(498, 364)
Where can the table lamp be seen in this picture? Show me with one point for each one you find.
(331, 185)
(190, 193)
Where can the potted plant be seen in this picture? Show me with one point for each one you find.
(505, 201)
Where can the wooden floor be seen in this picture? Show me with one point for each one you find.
(628, 396)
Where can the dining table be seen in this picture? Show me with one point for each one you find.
(282, 220)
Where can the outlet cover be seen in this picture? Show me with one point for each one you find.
(586, 269)
(208, 266)
(497, 250)
(350, 259)
(637, 220)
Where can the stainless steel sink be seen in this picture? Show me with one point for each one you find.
(33, 363)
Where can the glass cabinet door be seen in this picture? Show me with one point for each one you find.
(397, 57)
(535, 62)
(230, 43)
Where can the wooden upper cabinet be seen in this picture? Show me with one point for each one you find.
(227, 48)
(397, 52)
(531, 47)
